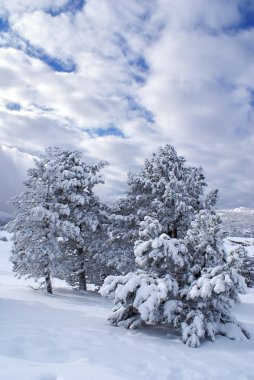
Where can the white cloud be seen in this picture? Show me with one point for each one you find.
(21, 6)
(13, 167)
(198, 85)
(188, 15)
(199, 92)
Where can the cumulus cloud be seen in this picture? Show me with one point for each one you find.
(200, 92)
(119, 79)
(21, 6)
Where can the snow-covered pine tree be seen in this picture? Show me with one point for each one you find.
(179, 249)
(102, 263)
(35, 247)
(244, 264)
(213, 286)
(185, 283)
(247, 268)
(122, 232)
(58, 218)
(81, 217)
(139, 296)
(169, 190)
(166, 189)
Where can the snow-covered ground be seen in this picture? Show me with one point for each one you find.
(234, 242)
(66, 336)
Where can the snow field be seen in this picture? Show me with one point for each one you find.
(66, 337)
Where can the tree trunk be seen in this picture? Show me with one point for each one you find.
(173, 233)
(82, 281)
(82, 274)
(48, 284)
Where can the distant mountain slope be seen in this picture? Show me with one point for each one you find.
(4, 218)
(238, 221)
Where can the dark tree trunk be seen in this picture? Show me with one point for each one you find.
(82, 281)
(173, 233)
(48, 284)
(82, 274)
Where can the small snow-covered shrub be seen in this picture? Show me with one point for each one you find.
(244, 264)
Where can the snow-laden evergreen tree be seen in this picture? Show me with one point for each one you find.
(58, 219)
(167, 189)
(244, 264)
(35, 247)
(81, 217)
(215, 283)
(185, 283)
(122, 232)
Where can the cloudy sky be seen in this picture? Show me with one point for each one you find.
(117, 79)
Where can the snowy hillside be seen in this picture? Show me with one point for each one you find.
(66, 336)
(238, 221)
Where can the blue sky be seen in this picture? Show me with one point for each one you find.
(118, 79)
